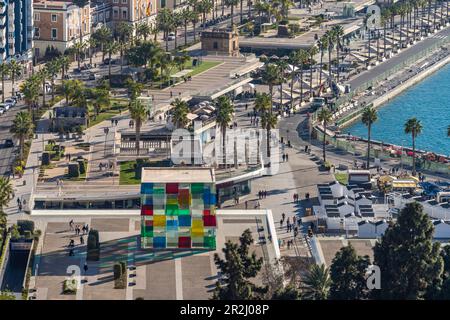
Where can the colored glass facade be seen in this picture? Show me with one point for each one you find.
(178, 215)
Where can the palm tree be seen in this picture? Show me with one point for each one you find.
(323, 45)
(224, 115)
(110, 48)
(186, 15)
(317, 283)
(231, 4)
(178, 21)
(78, 47)
(303, 56)
(194, 20)
(369, 116)
(179, 113)
(101, 99)
(6, 192)
(80, 4)
(164, 20)
(204, 7)
(4, 71)
(271, 77)
(338, 32)
(331, 38)
(30, 90)
(143, 30)
(53, 68)
(14, 70)
(312, 52)
(324, 116)
(139, 113)
(263, 105)
(92, 45)
(103, 36)
(22, 128)
(413, 127)
(134, 88)
(385, 16)
(295, 61)
(63, 62)
(43, 75)
(282, 66)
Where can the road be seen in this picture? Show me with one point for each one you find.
(7, 154)
(375, 72)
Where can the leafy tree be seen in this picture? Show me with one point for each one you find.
(30, 90)
(324, 116)
(6, 192)
(110, 48)
(237, 268)
(22, 128)
(312, 52)
(139, 113)
(7, 295)
(347, 272)
(413, 127)
(271, 77)
(369, 116)
(143, 30)
(101, 99)
(317, 283)
(409, 261)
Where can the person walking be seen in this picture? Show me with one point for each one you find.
(286, 157)
(246, 204)
(71, 225)
(85, 267)
(283, 216)
(81, 240)
(87, 228)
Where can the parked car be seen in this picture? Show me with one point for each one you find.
(12, 102)
(8, 143)
(2, 110)
(5, 106)
(171, 36)
(107, 61)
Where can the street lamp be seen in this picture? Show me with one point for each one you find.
(106, 131)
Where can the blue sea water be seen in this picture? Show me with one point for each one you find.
(429, 102)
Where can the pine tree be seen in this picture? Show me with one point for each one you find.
(347, 274)
(409, 261)
(237, 268)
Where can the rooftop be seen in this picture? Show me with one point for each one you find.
(178, 175)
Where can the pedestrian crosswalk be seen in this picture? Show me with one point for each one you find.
(439, 36)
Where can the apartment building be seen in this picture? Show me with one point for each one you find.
(16, 30)
(58, 24)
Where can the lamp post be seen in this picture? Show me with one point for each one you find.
(106, 131)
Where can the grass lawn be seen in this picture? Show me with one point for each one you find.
(107, 114)
(205, 65)
(342, 178)
(127, 173)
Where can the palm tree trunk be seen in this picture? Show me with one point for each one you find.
(329, 68)
(337, 62)
(301, 85)
(13, 78)
(414, 154)
(232, 16)
(185, 32)
(167, 40)
(176, 34)
(242, 2)
(369, 129)
(224, 131)
(292, 88)
(53, 90)
(320, 70)
(324, 141)
(21, 143)
(268, 143)
(109, 68)
(3, 88)
(43, 93)
(138, 136)
(310, 79)
(193, 25)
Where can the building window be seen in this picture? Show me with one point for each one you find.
(124, 1)
(124, 14)
(116, 13)
(215, 45)
(54, 33)
(54, 18)
(37, 16)
(163, 3)
(116, 1)
(36, 32)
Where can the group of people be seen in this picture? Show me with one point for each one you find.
(114, 122)
(20, 203)
(102, 166)
(78, 228)
(67, 156)
(262, 194)
(296, 197)
(285, 157)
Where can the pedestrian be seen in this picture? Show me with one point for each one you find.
(295, 197)
(171, 94)
(283, 216)
(116, 122)
(293, 220)
(289, 244)
(57, 182)
(71, 243)
(259, 194)
(87, 228)
(246, 106)
(71, 224)
(265, 194)
(112, 122)
(283, 157)
(281, 222)
(20, 207)
(287, 156)
(81, 240)
(246, 204)
(71, 254)
(83, 229)
(85, 267)
(306, 148)
(18, 201)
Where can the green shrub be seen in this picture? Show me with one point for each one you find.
(74, 170)
(45, 159)
(82, 166)
(70, 286)
(93, 246)
(25, 225)
(120, 275)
